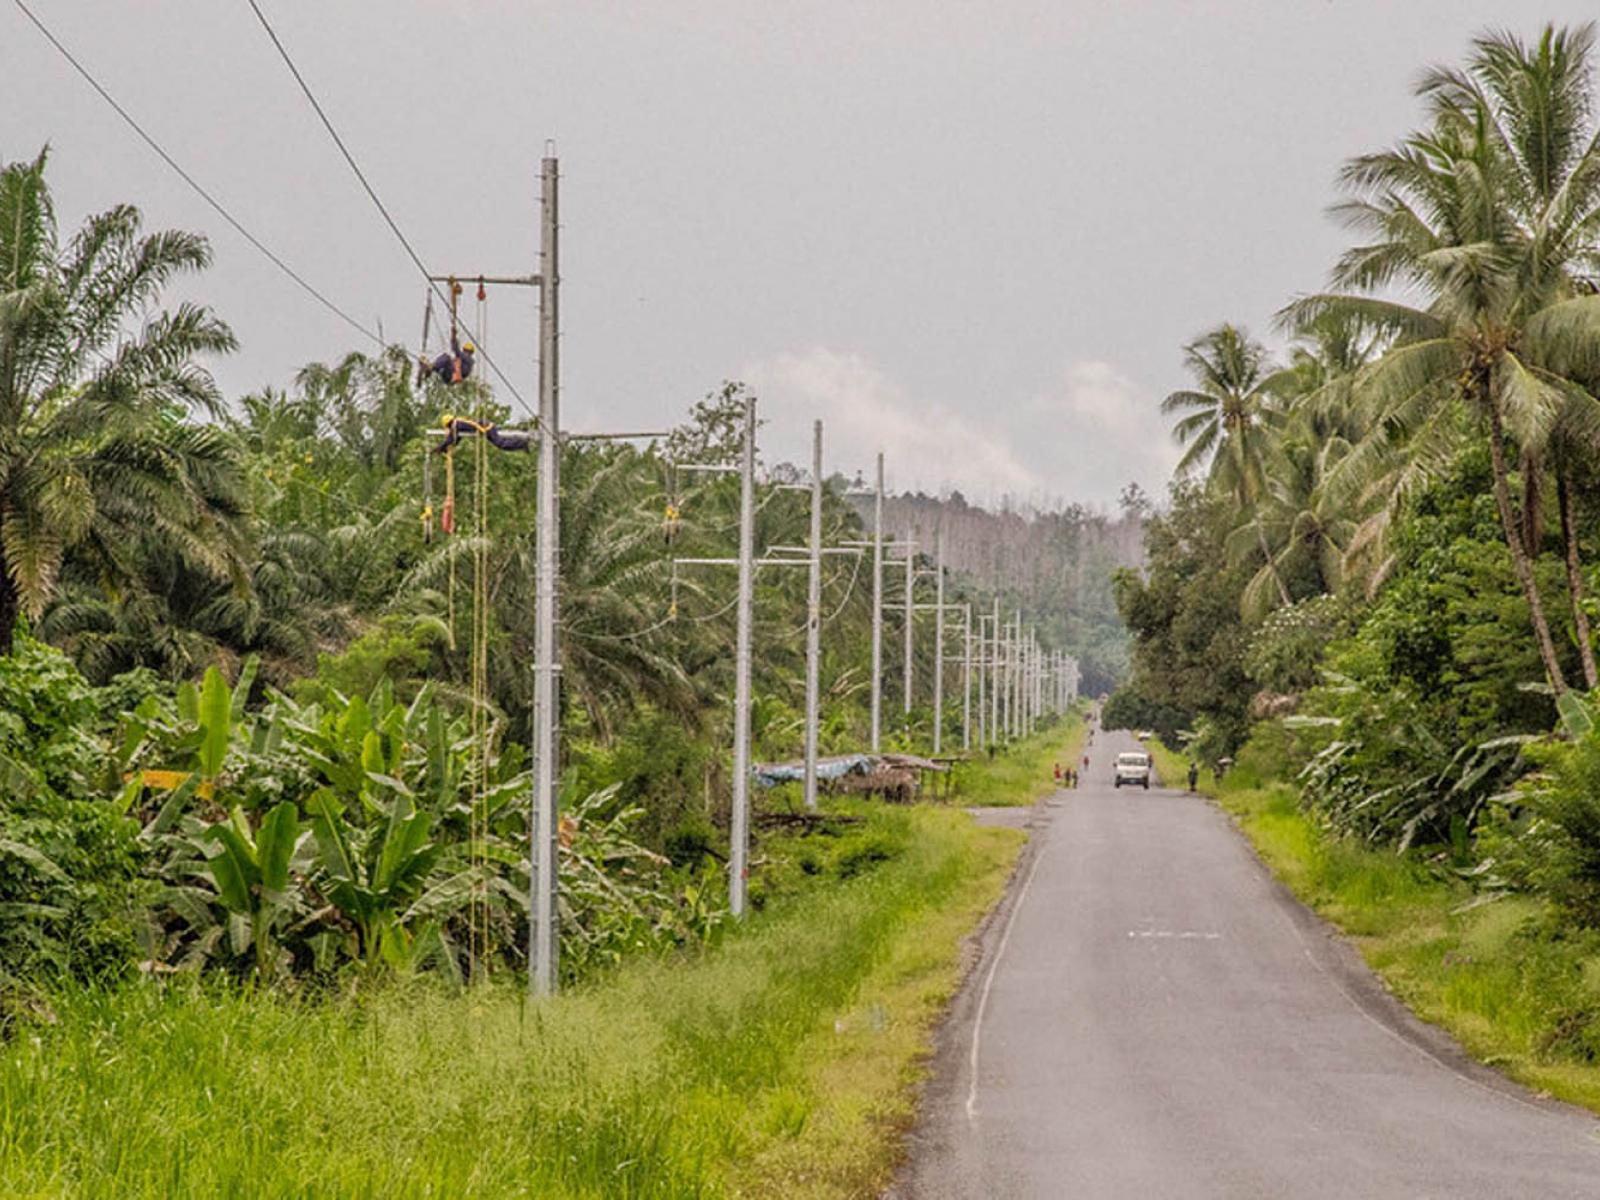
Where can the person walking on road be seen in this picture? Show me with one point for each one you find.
(1194, 775)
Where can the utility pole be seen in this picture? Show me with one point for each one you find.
(738, 869)
(938, 640)
(994, 673)
(1016, 677)
(911, 617)
(1040, 675)
(739, 833)
(544, 943)
(981, 662)
(1006, 722)
(877, 610)
(544, 954)
(1031, 702)
(966, 679)
(1024, 662)
(1030, 652)
(1022, 680)
(814, 616)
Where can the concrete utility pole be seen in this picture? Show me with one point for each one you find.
(938, 640)
(995, 727)
(1030, 676)
(1024, 699)
(544, 953)
(1030, 705)
(1033, 681)
(1016, 677)
(911, 617)
(814, 616)
(981, 663)
(1022, 680)
(739, 839)
(966, 678)
(877, 610)
(1006, 722)
(738, 868)
(1025, 682)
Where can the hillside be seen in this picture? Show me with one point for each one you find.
(1056, 566)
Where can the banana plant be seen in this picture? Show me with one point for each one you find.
(372, 875)
(251, 871)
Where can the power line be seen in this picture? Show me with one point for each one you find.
(215, 204)
(372, 193)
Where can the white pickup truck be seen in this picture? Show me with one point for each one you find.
(1133, 767)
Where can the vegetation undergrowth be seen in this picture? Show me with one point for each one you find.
(773, 1064)
(1025, 770)
(1518, 987)
(1172, 768)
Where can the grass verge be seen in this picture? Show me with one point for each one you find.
(1172, 768)
(1025, 770)
(1517, 992)
(782, 1062)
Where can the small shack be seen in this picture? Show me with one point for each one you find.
(895, 777)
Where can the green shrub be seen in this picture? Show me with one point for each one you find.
(69, 862)
(1545, 837)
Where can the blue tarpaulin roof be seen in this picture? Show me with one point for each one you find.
(772, 774)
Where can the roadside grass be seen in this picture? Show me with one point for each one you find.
(781, 1062)
(1516, 991)
(1024, 771)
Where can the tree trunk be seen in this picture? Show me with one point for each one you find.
(1569, 542)
(1519, 554)
(9, 608)
(1532, 504)
(1266, 552)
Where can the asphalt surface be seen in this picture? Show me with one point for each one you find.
(1154, 1016)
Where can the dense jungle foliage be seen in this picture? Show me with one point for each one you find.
(262, 715)
(1375, 571)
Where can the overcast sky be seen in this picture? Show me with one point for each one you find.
(975, 235)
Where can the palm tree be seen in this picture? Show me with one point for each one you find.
(1228, 428)
(95, 457)
(1492, 227)
(616, 636)
(1308, 527)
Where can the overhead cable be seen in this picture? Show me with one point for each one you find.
(200, 191)
(372, 192)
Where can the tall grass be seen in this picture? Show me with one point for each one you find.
(778, 1063)
(1025, 770)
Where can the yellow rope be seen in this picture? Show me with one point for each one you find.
(450, 508)
(480, 681)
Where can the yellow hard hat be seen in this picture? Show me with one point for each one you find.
(468, 348)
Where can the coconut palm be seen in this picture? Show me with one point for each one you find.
(94, 454)
(1305, 523)
(1493, 232)
(1228, 428)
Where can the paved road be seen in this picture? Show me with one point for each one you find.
(1154, 1017)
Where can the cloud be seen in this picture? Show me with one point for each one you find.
(1081, 441)
(926, 446)
(1108, 432)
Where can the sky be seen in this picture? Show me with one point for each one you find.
(973, 235)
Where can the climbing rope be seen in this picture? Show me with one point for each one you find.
(427, 498)
(447, 523)
(672, 518)
(480, 669)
